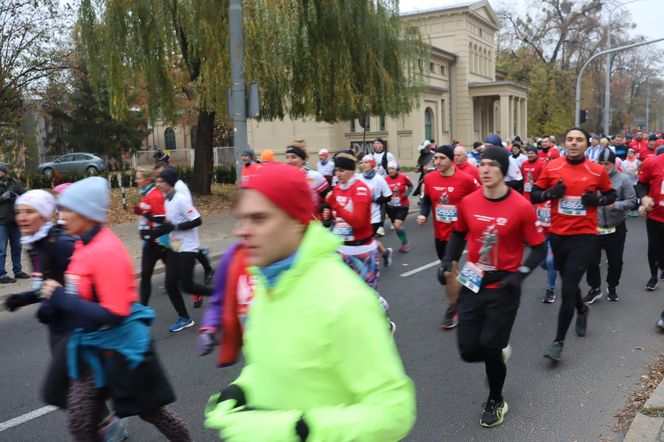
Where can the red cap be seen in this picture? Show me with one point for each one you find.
(286, 187)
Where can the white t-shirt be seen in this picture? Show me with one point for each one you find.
(182, 188)
(317, 183)
(378, 157)
(379, 187)
(513, 171)
(179, 209)
(520, 159)
(326, 169)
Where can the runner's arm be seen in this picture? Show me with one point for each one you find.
(536, 256)
(188, 225)
(455, 246)
(642, 189)
(425, 207)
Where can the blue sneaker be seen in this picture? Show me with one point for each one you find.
(181, 324)
(113, 431)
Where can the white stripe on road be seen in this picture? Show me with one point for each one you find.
(424, 267)
(26, 417)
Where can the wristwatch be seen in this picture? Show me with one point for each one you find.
(525, 270)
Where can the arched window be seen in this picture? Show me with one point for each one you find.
(169, 139)
(428, 123)
(192, 136)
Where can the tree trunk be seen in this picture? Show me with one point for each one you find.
(201, 181)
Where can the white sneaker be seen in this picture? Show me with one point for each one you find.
(380, 231)
(507, 353)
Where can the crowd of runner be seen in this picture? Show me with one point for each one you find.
(298, 226)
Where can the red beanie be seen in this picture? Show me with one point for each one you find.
(286, 187)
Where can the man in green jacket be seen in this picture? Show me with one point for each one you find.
(320, 362)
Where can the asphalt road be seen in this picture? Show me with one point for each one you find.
(574, 400)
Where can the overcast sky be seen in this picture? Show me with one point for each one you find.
(643, 12)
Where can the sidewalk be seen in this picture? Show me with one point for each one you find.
(215, 234)
(648, 425)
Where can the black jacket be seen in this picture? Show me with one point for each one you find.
(14, 187)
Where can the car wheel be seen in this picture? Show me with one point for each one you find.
(92, 171)
(48, 172)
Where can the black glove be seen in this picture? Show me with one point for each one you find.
(445, 266)
(14, 302)
(513, 281)
(591, 199)
(161, 230)
(556, 191)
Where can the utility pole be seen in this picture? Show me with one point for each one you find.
(648, 106)
(607, 84)
(238, 94)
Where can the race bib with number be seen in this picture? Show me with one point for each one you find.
(395, 202)
(544, 215)
(175, 243)
(446, 213)
(37, 281)
(528, 187)
(606, 230)
(571, 206)
(344, 231)
(471, 277)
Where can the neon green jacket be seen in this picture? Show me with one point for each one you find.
(319, 343)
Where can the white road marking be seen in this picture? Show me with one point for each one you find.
(26, 417)
(421, 268)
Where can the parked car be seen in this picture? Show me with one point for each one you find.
(74, 163)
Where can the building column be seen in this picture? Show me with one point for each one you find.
(504, 116)
(519, 116)
(524, 123)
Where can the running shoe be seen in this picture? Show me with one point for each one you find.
(207, 278)
(181, 324)
(611, 294)
(582, 322)
(387, 257)
(507, 353)
(661, 275)
(554, 352)
(114, 431)
(549, 297)
(660, 322)
(593, 295)
(494, 413)
(380, 231)
(650, 286)
(393, 327)
(451, 319)
(198, 301)
(21, 275)
(405, 248)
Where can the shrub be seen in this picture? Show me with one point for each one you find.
(224, 174)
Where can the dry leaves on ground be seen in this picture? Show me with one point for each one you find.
(647, 383)
(219, 202)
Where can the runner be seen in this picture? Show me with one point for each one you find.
(182, 221)
(531, 170)
(572, 184)
(650, 188)
(296, 155)
(397, 208)
(380, 195)
(381, 156)
(514, 179)
(267, 156)
(518, 155)
(612, 232)
(249, 164)
(151, 212)
(649, 150)
(461, 163)
(497, 221)
(325, 166)
(593, 151)
(547, 150)
(99, 300)
(319, 363)
(424, 163)
(443, 191)
(631, 167)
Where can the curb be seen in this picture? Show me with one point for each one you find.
(646, 427)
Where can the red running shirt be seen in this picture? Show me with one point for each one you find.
(497, 230)
(398, 186)
(530, 171)
(105, 266)
(652, 173)
(552, 154)
(445, 193)
(470, 170)
(351, 211)
(646, 153)
(568, 215)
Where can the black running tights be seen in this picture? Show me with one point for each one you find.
(655, 232)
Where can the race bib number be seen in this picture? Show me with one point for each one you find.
(528, 187)
(606, 230)
(395, 202)
(37, 281)
(71, 284)
(344, 231)
(175, 243)
(143, 224)
(471, 277)
(544, 216)
(571, 206)
(446, 213)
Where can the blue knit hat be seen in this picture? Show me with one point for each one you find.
(494, 140)
(89, 197)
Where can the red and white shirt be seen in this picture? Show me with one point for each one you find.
(530, 170)
(651, 173)
(568, 214)
(551, 154)
(445, 193)
(398, 185)
(351, 211)
(497, 230)
(317, 184)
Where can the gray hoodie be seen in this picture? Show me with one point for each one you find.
(625, 201)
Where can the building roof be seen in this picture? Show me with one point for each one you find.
(470, 7)
(443, 52)
(441, 8)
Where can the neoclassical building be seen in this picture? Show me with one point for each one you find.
(464, 98)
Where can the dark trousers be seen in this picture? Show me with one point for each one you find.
(180, 275)
(655, 232)
(572, 254)
(485, 324)
(203, 259)
(10, 235)
(152, 253)
(614, 245)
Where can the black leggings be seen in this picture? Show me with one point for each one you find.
(614, 245)
(180, 275)
(151, 254)
(203, 259)
(655, 231)
(572, 255)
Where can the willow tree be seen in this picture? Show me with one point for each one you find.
(329, 60)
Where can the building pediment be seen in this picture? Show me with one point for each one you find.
(479, 10)
(497, 88)
(485, 12)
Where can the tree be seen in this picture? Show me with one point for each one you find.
(333, 60)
